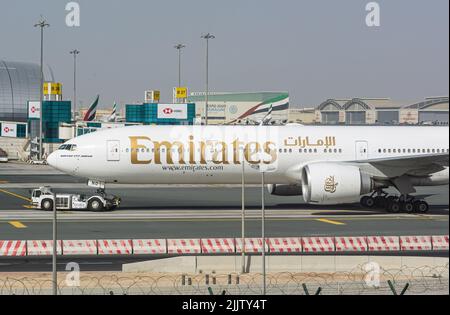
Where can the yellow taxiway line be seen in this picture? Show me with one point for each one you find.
(331, 221)
(15, 195)
(17, 224)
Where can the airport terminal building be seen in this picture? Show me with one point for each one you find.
(19, 83)
(370, 111)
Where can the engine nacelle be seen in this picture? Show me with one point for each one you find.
(285, 190)
(334, 183)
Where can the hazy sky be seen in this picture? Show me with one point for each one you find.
(313, 49)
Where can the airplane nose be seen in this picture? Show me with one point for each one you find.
(52, 160)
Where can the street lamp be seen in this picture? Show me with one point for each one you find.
(263, 169)
(74, 52)
(243, 212)
(179, 47)
(207, 37)
(42, 24)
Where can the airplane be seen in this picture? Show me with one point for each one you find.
(324, 164)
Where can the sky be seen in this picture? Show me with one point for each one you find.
(314, 49)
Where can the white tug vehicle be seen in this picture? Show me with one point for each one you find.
(44, 198)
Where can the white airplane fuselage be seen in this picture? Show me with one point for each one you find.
(214, 154)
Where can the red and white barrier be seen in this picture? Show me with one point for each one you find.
(42, 248)
(80, 247)
(252, 245)
(13, 248)
(149, 246)
(350, 244)
(318, 244)
(415, 243)
(114, 247)
(183, 246)
(217, 245)
(285, 245)
(383, 243)
(440, 242)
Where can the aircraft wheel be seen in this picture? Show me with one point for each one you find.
(421, 206)
(367, 201)
(408, 207)
(395, 207)
(387, 203)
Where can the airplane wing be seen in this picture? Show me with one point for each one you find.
(418, 165)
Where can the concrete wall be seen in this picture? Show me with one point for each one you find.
(232, 264)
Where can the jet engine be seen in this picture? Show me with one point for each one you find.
(334, 183)
(285, 190)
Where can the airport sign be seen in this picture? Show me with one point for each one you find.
(172, 111)
(34, 109)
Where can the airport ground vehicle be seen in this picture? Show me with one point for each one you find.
(43, 198)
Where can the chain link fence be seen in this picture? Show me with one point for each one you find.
(423, 280)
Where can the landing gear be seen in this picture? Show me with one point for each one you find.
(376, 200)
(421, 206)
(395, 204)
(368, 202)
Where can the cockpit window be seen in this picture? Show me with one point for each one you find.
(68, 147)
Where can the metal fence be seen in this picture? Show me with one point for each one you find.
(423, 280)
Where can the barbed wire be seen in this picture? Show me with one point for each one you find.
(421, 280)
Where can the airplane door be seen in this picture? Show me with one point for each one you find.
(113, 150)
(362, 150)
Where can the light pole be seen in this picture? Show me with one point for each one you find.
(74, 52)
(179, 47)
(264, 168)
(55, 248)
(243, 212)
(42, 24)
(207, 37)
(263, 232)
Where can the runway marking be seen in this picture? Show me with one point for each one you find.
(28, 206)
(17, 224)
(15, 195)
(330, 221)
